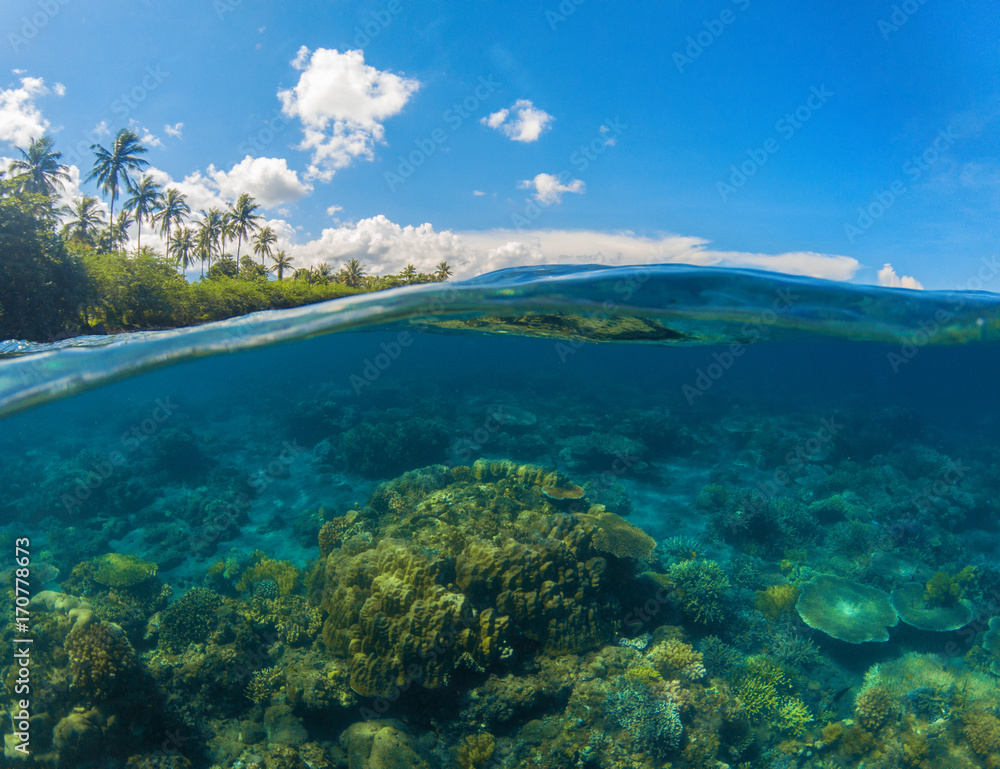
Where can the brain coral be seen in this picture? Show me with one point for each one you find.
(456, 558)
(846, 610)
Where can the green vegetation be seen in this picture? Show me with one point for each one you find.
(68, 271)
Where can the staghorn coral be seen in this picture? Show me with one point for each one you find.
(699, 588)
(945, 589)
(102, 660)
(291, 617)
(650, 723)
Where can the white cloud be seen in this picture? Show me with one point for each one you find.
(269, 180)
(549, 189)
(59, 89)
(527, 124)
(342, 102)
(887, 277)
(20, 119)
(102, 129)
(477, 193)
(385, 247)
(331, 210)
(176, 130)
(150, 139)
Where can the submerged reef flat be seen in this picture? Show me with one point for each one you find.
(578, 570)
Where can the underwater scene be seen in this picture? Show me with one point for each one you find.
(572, 518)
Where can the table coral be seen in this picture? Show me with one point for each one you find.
(848, 611)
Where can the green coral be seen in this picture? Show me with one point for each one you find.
(188, 620)
(699, 587)
(119, 570)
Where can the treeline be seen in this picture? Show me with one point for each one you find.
(65, 272)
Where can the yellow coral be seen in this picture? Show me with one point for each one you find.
(120, 570)
(793, 716)
(282, 573)
(618, 537)
(982, 731)
(476, 750)
(264, 683)
(945, 589)
(874, 706)
(777, 600)
(675, 659)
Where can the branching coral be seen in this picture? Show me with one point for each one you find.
(700, 589)
(675, 659)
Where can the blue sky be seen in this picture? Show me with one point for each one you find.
(820, 140)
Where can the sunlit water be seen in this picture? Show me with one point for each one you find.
(764, 430)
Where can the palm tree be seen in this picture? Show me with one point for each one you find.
(182, 248)
(173, 210)
(243, 220)
(282, 262)
(262, 243)
(443, 271)
(146, 199)
(86, 222)
(116, 236)
(354, 272)
(39, 167)
(113, 166)
(408, 274)
(323, 273)
(210, 234)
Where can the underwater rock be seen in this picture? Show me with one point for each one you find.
(381, 745)
(78, 610)
(914, 609)
(848, 611)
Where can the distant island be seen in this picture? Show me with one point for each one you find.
(66, 271)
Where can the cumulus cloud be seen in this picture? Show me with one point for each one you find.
(385, 246)
(887, 277)
(20, 118)
(523, 122)
(342, 103)
(549, 189)
(176, 130)
(269, 180)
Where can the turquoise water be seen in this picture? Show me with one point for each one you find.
(562, 518)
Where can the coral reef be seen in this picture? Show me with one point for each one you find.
(846, 610)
